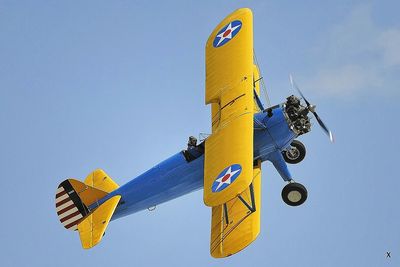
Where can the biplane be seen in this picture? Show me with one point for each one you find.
(227, 164)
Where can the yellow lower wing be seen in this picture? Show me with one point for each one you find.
(92, 228)
(236, 223)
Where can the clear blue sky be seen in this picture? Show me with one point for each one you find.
(120, 85)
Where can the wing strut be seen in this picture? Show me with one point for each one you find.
(226, 214)
(258, 101)
(251, 208)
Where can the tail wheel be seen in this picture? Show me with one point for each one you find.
(295, 153)
(294, 194)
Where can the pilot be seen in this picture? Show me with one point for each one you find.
(192, 143)
(193, 149)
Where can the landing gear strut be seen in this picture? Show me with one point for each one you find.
(294, 194)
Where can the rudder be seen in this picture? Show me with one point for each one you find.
(70, 209)
(72, 201)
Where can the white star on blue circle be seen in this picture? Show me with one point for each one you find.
(227, 33)
(226, 177)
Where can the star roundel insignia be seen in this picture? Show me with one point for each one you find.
(227, 33)
(226, 177)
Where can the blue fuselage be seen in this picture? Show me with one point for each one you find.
(176, 176)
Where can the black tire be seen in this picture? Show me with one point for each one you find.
(294, 194)
(296, 153)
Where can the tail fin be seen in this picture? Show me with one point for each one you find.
(74, 206)
(72, 200)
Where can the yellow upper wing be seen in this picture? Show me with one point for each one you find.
(229, 89)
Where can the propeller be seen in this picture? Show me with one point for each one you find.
(311, 108)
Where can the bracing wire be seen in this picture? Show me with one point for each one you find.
(263, 87)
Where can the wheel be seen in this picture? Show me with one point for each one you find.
(294, 194)
(295, 153)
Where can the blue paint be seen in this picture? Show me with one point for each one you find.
(170, 179)
(276, 136)
(280, 165)
(175, 176)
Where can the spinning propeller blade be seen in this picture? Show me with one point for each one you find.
(311, 108)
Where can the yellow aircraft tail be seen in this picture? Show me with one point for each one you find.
(77, 206)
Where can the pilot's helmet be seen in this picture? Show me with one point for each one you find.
(192, 141)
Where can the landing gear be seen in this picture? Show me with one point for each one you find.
(294, 194)
(295, 153)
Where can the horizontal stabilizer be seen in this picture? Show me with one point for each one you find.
(92, 228)
(99, 179)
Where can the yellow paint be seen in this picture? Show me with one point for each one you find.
(230, 83)
(86, 193)
(92, 228)
(229, 89)
(243, 227)
(100, 180)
